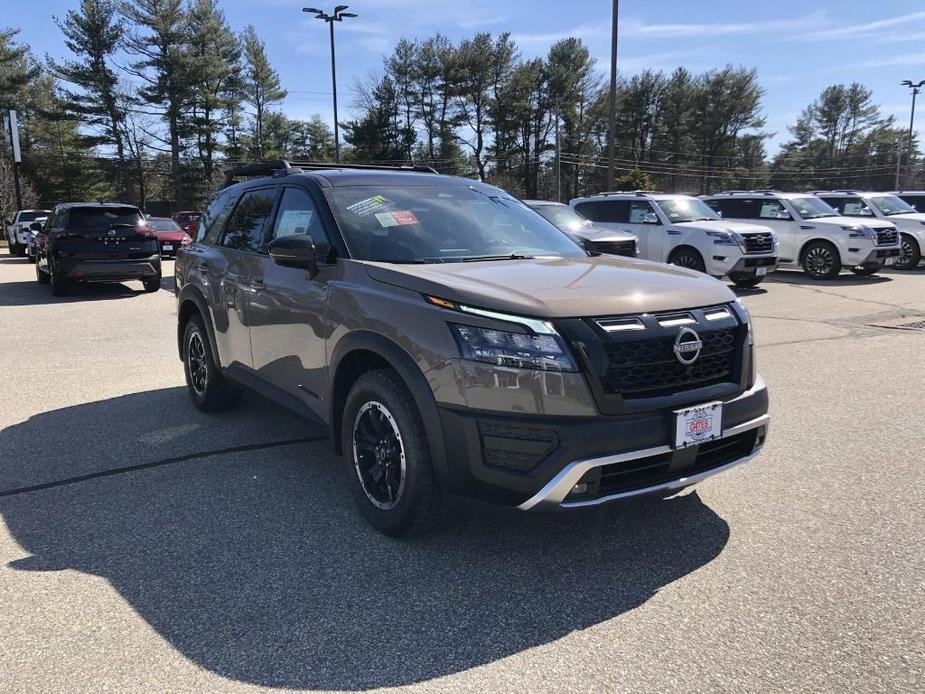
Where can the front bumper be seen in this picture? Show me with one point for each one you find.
(534, 462)
(747, 266)
(108, 270)
(880, 257)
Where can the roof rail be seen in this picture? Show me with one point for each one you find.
(281, 167)
(630, 192)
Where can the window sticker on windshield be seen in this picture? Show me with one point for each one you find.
(366, 207)
(394, 219)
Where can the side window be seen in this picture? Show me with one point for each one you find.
(850, 207)
(298, 215)
(770, 209)
(638, 211)
(610, 211)
(245, 229)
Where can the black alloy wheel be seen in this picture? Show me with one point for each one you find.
(909, 254)
(821, 261)
(379, 455)
(688, 258)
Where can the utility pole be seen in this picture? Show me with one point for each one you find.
(558, 161)
(13, 127)
(612, 118)
(336, 16)
(916, 88)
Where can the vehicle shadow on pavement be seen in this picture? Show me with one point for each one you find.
(843, 280)
(34, 294)
(255, 565)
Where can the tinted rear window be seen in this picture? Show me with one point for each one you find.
(96, 217)
(31, 216)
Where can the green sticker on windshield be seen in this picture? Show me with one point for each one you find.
(366, 207)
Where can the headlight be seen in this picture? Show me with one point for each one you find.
(727, 238)
(746, 318)
(514, 350)
(859, 231)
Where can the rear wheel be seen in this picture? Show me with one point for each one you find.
(388, 458)
(208, 388)
(909, 255)
(821, 260)
(59, 285)
(689, 258)
(152, 284)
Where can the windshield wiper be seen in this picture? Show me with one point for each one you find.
(512, 256)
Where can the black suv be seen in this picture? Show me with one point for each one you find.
(96, 242)
(451, 339)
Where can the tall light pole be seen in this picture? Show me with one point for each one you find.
(336, 16)
(612, 118)
(916, 87)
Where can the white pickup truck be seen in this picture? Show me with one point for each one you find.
(17, 230)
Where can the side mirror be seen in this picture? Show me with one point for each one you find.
(35, 226)
(650, 218)
(296, 251)
(783, 214)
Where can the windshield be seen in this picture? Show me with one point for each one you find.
(563, 217)
(889, 205)
(163, 225)
(686, 210)
(443, 223)
(32, 216)
(809, 207)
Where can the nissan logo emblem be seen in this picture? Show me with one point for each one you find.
(687, 346)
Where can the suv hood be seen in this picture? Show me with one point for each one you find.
(907, 219)
(871, 222)
(723, 225)
(559, 287)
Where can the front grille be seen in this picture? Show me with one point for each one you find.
(627, 248)
(887, 237)
(759, 243)
(649, 368)
(648, 472)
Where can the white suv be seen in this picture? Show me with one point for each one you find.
(889, 208)
(681, 230)
(813, 236)
(18, 234)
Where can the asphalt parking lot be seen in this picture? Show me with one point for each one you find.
(145, 546)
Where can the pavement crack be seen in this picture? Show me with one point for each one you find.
(820, 290)
(158, 463)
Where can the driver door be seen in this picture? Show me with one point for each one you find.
(644, 223)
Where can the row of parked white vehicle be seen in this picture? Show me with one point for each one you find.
(744, 235)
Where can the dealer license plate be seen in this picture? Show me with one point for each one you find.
(168, 246)
(761, 271)
(889, 261)
(695, 425)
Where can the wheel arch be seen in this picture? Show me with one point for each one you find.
(816, 239)
(362, 351)
(686, 246)
(191, 301)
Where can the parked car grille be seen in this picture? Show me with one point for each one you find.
(627, 248)
(887, 237)
(650, 368)
(759, 243)
(647, 472)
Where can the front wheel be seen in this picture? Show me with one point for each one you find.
(821, 260)
(910, 253)
(388, 458)
(689, 258)
(40, 275)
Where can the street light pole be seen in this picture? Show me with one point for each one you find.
(612, 118)
(336, 16)
(916, 88)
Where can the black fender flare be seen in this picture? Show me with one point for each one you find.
(192, 293)
(413, 378)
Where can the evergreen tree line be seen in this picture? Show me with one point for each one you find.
(157, 97)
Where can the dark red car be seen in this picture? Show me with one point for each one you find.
(170, 237)
(188, 221)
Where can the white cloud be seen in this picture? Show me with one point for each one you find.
(708, 30)
(866, 30)
(892, 61)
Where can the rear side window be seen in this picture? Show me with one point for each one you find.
(607, 211)
(917, 201)
(770, 209)
(850, 207)
(102, 217)
(246, 226)
(737, 208)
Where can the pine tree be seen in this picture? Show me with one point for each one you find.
(92, 35)
(261, 85)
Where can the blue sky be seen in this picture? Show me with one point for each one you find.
(797, 47)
